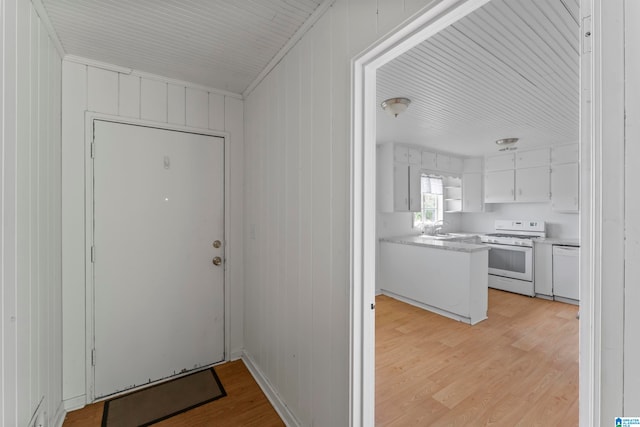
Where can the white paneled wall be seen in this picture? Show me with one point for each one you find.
(138, 96)
(30, 226)
(297, 159)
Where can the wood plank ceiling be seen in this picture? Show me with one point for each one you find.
(510, 69)
(222, 44)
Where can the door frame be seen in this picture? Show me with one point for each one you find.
(90, 117)
(424, 24)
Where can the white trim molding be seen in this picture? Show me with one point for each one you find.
(44, 17)
(428, 22)
(270, 392)
(297, 36)
(90, 117)
(133, 72)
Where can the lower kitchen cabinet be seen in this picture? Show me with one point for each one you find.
(452, 283)
(543, 269)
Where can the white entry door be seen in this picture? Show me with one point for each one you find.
(158, 225)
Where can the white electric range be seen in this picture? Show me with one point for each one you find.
(511, 255)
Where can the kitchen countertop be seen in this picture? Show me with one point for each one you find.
(430, 242)
(558, 241)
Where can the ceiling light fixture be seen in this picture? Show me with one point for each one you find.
(507, 144)
(395, 106)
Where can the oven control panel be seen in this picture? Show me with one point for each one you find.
(530, 226)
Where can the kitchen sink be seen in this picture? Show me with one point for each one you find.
(456, 237)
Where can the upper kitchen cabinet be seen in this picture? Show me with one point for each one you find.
(522, 177)
(500, 162)
(441, 162)
(448, 163)
(565, 178)
(532, 184)
(429, 160)
(399, 171)
(532, 158)
(499, 186)
(565, 154)
(472, 183)
(404, 154)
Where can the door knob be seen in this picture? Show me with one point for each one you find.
(217, 244)
(217, 261)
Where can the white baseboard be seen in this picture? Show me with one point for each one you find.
(235, 355)
(74, 403)
(287, 417)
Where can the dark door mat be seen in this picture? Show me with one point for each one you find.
(159, 402)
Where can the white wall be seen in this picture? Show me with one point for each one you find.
(30, 225)
(560, 225)
(101, 88)
(297, 212)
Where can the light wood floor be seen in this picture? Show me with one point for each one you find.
(517, 368)
(244, 405)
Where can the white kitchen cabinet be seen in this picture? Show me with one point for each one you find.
(445, 162)
(472, 200)
(451, 283)
(543, 269)
(565, 154)
(429, 160)
(415, 188)
(415, 156)
(565, 187)
(499, 162)
(518, 178)
(398, 182)
(532, 184)
(400, 187)
(406, 188)
(405, 154)
(499, 186)
(532, 158)
(441, 162)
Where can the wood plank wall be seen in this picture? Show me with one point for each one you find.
(297, 159)
(30, 193)
(139, 96)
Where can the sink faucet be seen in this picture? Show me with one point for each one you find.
(434, 227)
(438, 226)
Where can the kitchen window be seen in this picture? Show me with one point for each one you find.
(432, 202)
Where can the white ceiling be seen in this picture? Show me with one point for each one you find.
(223, 44)
(510, 69)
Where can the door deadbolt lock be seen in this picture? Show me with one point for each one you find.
(217, 261)
(217, 244)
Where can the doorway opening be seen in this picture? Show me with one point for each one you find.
(364, 236)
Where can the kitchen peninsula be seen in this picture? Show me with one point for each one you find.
(446, 275)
